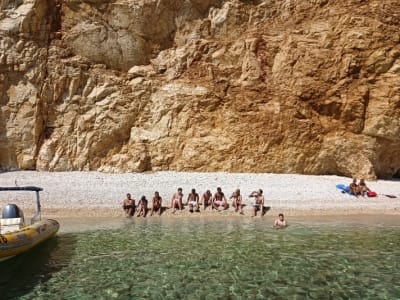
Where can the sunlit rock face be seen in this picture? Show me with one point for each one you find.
(286, 86)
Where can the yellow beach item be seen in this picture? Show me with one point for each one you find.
(15, 236)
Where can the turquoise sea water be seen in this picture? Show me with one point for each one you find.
(211, 259)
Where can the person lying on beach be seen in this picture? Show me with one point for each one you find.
(362, 188)
(157, 204)
(259, 203)
(219, 200)
(142, 207)
(280, 222)
(176, 201)
(206, 199)
(237, 201)
(353, 187)
(129, 206)
(193, 201)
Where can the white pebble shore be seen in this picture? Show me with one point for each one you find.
(289, 193)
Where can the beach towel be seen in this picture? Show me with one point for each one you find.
(344, 188)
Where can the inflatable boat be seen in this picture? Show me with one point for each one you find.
(16, 236)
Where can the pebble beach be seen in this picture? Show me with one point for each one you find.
(94, 194)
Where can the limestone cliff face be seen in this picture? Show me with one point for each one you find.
(208, 85)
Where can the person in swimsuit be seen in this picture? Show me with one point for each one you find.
(280, 222)
(362, 188)
(129, 206)
(176, 201)
(354, 189)
(237, 201)
(157, 204)
(219, 200)
(142, 207)
(193, 201)
(206, 199)
(259, 205)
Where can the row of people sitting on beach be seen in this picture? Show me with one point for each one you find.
(359, 188)
(217, 202)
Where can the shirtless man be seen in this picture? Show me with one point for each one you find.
(280, 222)
(206, 199)
(259, 205)
(219, 200)
(193, 201)
(362, 188)
(237, 201)
(129, 206)
(354, 187)
(176, 201)
(142, 207)
(157, 204)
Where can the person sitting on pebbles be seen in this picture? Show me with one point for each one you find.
(157, 204)
(280, 222)
(129, 206)
(259, 203)
(142, 207)
(362, 188)
(219, 200)
(176, 201)
(193, 201)
(206, 199)
(237, 201)
(353, 187)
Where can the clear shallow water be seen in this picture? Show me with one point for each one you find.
(211, 259)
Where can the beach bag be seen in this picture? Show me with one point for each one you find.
(371, 194)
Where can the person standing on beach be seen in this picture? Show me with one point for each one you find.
(237, 201)
(142, 207)
(176, 201)
(157, 204)
(219, 200)
(259, 203)
(129, 206)
(193, 201)
(280, 222)
(206, 199)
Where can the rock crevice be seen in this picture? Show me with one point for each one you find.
(217, 85)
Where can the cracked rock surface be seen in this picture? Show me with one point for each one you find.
(285, 86)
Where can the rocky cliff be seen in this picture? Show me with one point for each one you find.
(294, 86)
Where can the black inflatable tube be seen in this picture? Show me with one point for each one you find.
(21, 188)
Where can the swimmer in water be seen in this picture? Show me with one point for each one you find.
(280, 222)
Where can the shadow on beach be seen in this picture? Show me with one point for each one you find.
(20, 275)
(266, 209)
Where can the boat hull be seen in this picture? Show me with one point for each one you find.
(26, 238)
